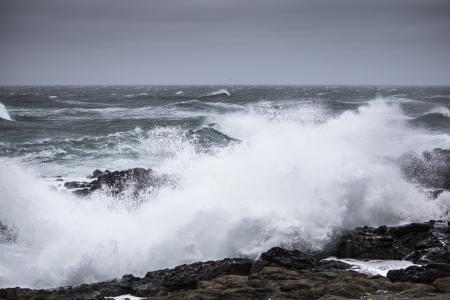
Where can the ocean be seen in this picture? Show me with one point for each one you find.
(251, 167)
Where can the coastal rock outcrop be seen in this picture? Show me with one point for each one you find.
(133, 180)
(421, 274)
(419, 242)
(288, 274)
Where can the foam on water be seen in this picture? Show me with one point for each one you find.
(376, 266)
(288, 182)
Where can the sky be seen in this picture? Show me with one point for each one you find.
(357, 42)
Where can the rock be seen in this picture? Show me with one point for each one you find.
(188, 276)
(419, 242)
(419, 291)
(290, 274)
(134, 181)
(184, 277)
(442, 284)
(75, 185)
(291, 259)
(420, 274)
(97, 173)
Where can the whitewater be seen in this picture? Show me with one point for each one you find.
(276, 170)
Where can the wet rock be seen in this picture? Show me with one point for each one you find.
(188, 276)
(420, 274)
(134, 181)
(233, 279)
(97, 173)
(291, 259)
(75, 185)
(419, 242)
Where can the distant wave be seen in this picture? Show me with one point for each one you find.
(221, 92)
(4, 113)
(441, 110)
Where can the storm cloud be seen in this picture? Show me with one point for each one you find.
(385, 42)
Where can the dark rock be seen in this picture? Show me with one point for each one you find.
(419, 242)
(291, 259)
(132, 180)
(420, 274)
(188, 276)
(410, 228)
(75, 185)
(289, 274)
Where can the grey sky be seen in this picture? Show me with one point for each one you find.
(224, 42)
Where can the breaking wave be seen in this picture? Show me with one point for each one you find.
(287, 182)
(221, 92)
(4, 113)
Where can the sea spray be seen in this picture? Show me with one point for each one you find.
(286, 183)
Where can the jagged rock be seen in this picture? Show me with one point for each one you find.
(184, 277)
(76, 185)
(291, 259)
(132, 180)
(282, 274)
(188, 276)
(419, 242)
(420, 274)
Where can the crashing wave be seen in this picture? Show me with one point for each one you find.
(240, 200)
(4, 113)
(179, 93)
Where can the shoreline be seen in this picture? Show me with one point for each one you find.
(292, 274)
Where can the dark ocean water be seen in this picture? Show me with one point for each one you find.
(69, 125)
(256, 166)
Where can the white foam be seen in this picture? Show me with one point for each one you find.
(179, 93)
(4, 113)
(287, 182)
(375, 267)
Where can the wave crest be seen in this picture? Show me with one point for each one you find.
(4, 113)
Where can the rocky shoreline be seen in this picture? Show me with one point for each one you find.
(286, 273)
(292, 274)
